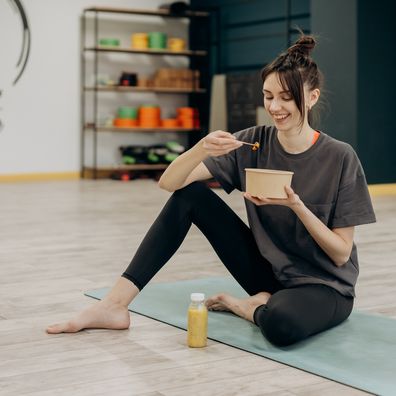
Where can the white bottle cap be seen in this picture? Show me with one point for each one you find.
(197, 297)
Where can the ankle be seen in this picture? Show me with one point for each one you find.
(111, 302)
(262, 297)
(122, 293)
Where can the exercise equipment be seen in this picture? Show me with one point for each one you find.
(360, 352)
(109, 42)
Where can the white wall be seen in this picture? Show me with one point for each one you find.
(41, 113)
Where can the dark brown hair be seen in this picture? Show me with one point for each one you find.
(296, 68)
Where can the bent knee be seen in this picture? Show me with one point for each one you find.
(280, 326)
(192, 190)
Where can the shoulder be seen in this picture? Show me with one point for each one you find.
(338, 147)
(343, 153)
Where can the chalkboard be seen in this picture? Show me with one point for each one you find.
(244, 95)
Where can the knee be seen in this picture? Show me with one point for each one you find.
(191, 191)
(280, 326)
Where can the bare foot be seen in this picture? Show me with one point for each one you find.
(101, 315)
(242, 307)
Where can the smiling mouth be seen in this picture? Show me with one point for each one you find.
(279, 117)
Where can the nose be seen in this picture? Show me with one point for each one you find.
(274, 106)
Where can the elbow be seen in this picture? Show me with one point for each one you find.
(163, 185)
(342, 260)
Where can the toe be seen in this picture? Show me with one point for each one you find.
(210, 301)
(53, 329)
(67, 327)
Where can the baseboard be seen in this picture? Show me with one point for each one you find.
(26, 177)
(382, 189)
(375, 189)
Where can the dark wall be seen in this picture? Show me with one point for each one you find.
(253, 32)
(355, 52)
(335, 25)
(377, 89)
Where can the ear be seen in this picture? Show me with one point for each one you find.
(313, 97)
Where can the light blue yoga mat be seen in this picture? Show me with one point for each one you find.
(361, 352)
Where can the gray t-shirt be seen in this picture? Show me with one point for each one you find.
(329, 179)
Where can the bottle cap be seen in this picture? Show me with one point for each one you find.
(197, 297)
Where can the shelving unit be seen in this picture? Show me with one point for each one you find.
(120, 88)
(199, 97)
(148, 51)
(136, 129)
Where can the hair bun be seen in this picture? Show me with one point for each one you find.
(303, 46)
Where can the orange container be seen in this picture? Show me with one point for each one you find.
(186, 123)
(149, 112)
(124, 122)
(188, 117)
(150, 123)
(185, 111)
(149, 116)
(170, 123)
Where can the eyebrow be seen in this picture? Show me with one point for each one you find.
(282, 92)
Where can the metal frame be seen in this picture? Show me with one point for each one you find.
(84, 49)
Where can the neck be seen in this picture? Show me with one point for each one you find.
(296, 141)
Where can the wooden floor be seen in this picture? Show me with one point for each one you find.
(59, 239)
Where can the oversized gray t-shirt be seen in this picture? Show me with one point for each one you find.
(329, 179)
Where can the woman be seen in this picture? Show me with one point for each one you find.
(296, 260)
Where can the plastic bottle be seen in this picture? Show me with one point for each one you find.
(197, 326)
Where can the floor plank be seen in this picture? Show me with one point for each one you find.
(59, 239)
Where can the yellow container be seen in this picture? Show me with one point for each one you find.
(197, 324)
(139, 41)
(176, 44)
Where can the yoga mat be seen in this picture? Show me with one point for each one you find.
(361, 352)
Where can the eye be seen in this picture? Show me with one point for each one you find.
(268, 97)
(287, 98)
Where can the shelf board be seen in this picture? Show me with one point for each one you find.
(159, 12)
(147, 51)
(129, 167)
(117, 88)
(139, 129)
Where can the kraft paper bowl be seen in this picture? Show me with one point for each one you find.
(267, 183)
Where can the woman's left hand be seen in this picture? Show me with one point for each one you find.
(292, 200)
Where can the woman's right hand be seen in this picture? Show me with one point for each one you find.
(219, 143)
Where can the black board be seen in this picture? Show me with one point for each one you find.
(244, 95)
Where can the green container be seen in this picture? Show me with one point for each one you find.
(127, 112)
(157, 40)
(109, 42)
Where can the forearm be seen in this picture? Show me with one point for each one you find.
(330, 242)
(178, 171)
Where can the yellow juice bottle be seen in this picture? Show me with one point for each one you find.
(197, 324)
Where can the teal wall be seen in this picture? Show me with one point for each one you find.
(253, 32)
(357, 56)
(355, 52)
(376, 121)
(335, 24)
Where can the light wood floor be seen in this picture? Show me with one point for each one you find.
(59, 239)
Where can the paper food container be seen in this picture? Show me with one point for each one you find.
(267, 183)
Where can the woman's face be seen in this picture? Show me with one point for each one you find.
(280, 105)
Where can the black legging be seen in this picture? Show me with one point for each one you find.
(290, 315)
